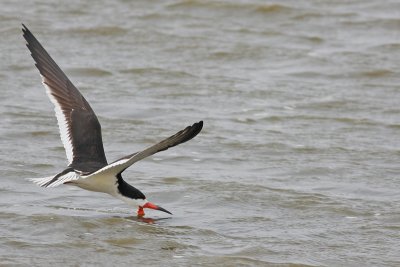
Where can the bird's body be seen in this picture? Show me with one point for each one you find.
(80, 133)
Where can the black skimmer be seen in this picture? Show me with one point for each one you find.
(80, 133)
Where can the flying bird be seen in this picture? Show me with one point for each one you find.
(80, 133)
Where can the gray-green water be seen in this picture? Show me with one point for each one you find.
(298, 162)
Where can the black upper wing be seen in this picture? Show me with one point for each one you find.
(180, 137)
(79, 127)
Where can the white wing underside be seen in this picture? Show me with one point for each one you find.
(99, 182)
(106, 175)
(68, 177)
(65, 131)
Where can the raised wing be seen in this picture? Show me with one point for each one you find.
(80, 129)
(180, 137)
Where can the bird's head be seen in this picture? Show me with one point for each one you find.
(149, 205)
(132, 196)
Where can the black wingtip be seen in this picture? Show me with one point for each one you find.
(27, 34)
(198, 126)
(24, 29)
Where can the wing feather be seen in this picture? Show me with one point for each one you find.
(180, 137)
(75, 117)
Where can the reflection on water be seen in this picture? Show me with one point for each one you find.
(297, 164)
(145, 219)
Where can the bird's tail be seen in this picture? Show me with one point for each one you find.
(43, 182)
(67, 175)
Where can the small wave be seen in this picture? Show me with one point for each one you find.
(92, 72)
(272, 8)
(239, 260)
(386, 47)
(394, 126)
(156, 71)
(386, 23)
(379, 73)
(259, 8)
(20, 67)
(41, 133)
(99, 30)
(124, 242)
(172, 180)
(42, 166)
(142, 70)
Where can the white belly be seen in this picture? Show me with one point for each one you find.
(99, 183)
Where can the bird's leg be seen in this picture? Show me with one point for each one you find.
(140, 212)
